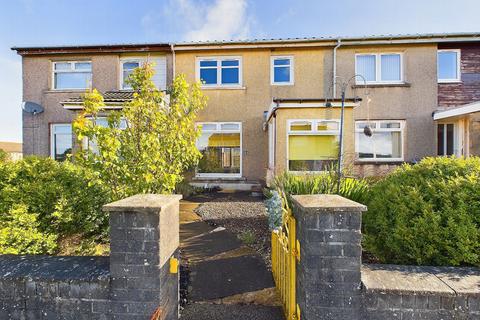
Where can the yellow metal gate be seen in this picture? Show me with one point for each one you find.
(285, 253)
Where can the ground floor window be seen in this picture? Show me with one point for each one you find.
(385, 143)
(445, 139)
(221, 148)
(312, 144)
(60, 141)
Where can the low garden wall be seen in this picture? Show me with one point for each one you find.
(332, 283)
(135, 282)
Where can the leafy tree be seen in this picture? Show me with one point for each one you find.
(146, 146)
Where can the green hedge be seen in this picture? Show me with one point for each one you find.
(48, 200)
(426, 214)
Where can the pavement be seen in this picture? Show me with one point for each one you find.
(226, 280)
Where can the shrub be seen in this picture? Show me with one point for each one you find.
(273, 205)
(20, 234)
(426, 214)
(62, 198)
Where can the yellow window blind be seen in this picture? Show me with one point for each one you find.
(224, 140)
(314, 147)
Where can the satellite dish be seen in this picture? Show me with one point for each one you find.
(32, 107)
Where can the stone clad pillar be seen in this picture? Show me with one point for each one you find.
(328, 284)
(144, 236)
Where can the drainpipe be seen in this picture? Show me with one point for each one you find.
(339, 43)
(172, 47)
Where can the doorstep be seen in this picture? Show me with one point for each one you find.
(237, 184)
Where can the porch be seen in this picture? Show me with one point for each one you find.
(458, 130)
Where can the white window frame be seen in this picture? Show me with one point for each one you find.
(378, 129)
(218, 126)
(219, 67)
(53, 134)
(378, 68)
(72, 70)
(291, 67)
(459, 67)
(313, 131)
(140, 61)
(457, 139)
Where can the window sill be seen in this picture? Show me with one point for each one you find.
(382, 85)
(379, 162)
(66, 90)
(218, 178)
(449, 81)
(224, 88)
(279, 84)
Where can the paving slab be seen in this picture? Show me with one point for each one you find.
(202, 311)
(193, 229)
(221, 278)
(209, 244)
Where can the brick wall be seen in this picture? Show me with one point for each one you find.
(130, 284)
(333, 284)
(468, 90)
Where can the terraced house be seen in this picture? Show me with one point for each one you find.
(274, 105)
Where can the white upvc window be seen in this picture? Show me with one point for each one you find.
(61, 141)
(127, 67)
(128, 64)
(71, 75)
(218, 72)
(282, 70)
(385, 144)
(221, 146)
(312, 144)
(91, 144)
(379, 68)
(448, 65)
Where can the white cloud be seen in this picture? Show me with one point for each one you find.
(199, 20)
(224, 20)
(11, 90)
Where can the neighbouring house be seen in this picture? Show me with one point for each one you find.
(273, 105)
(13, 149)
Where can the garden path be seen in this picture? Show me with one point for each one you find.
(220, 277)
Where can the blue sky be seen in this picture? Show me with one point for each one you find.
(56, 22)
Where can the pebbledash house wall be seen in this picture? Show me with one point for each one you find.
(414, 101)
(248, 103)
(38, 88)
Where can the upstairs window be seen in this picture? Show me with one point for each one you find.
(127, 68)
(72, 75)
(448, 65)
(219, 72)
(379, 68)
(159, 65)
(385, 144)
(282, 70)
